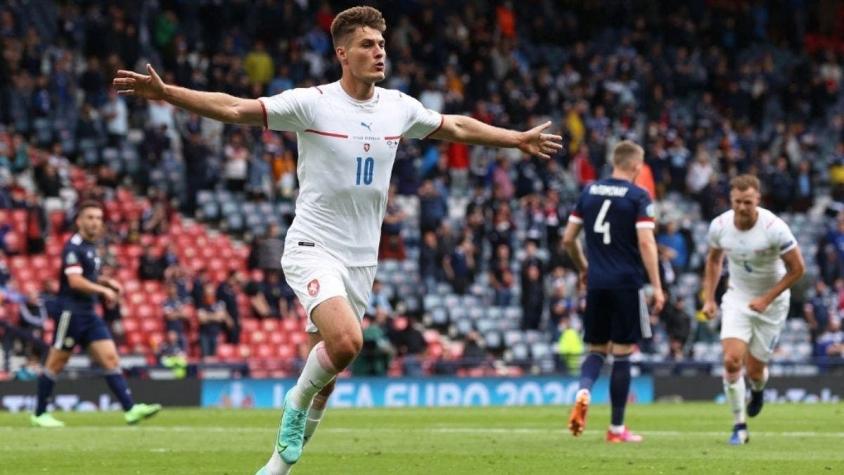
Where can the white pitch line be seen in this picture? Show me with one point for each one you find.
(430, 430)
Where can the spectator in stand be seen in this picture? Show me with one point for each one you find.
(173, 354)
(156, 217)
(532, 297)
(501, 276)
(227, 293)
(116, 114)
(474, 353)
(278, 295)
(213, 320)
(236, 164)
(266, 252)
(678, 325)
(379, 300)
(671, 238)
(430, 260)
(831, 342)
(32, 315)
(200, 280)
(818, 310)
(377, 352)
(392, 243)
(407, 338)
(5, 273)
(460, 266)
(258, 306)
(149, 267)
(433, 206)
(176, 316)
(36, 226)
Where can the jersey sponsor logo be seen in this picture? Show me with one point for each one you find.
(608, 190)
(313, 288)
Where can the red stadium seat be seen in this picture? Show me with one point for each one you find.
(249, 325)
(263, 351)
(298, 338)
(278, 338)
(226, 352)
(286, 352)
(270, 325)
(258, 336)
(291, 325)
(130, 324)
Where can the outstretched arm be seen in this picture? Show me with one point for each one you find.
(214, 105)
(463, 129)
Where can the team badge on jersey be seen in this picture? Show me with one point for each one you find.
(313, 288)
(366, 147)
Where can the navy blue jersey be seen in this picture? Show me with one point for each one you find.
(610, 211)
(78, 257)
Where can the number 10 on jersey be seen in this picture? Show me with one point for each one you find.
(365, 170)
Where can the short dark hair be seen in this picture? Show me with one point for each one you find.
(349, 20)
(88, 204)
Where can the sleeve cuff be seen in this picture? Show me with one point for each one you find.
(645, 225)
(573, 218)
(73, 270)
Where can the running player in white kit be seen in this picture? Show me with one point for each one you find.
(764, 262)
(348, 132)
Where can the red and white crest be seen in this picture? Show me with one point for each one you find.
(366, 147)
(313, 288)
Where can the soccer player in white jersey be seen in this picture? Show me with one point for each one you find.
(348, 132)
(764, 262)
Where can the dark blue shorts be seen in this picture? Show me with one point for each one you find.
(616, 315)
(78, 328)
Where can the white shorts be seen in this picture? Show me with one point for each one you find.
(316, 276)
(760, 331)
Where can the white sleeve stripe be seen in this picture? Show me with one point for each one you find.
(645, 225)
(75, 270)
(575, 219)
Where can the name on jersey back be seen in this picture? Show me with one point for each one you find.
(608, 190)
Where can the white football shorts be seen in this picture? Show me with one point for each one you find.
(760, 331)
(316, 276)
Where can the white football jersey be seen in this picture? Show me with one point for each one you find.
(754, 255)
(346, 153)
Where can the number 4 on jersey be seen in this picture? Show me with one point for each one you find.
(601, 226)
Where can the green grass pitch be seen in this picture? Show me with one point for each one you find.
(679, 439)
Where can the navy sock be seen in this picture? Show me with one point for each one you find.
(117, 384)
(619, 387)
(590, 369)
(45, 389)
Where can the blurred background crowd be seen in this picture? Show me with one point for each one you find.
(473, 277)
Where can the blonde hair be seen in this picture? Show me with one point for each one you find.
(350, 19)
(743, 182)
(624, 154)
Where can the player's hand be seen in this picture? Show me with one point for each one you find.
(659, 300)
(114, 285)
(534, 142)
(759, 304)
(109, 295)
(710, 308)
(147, 86)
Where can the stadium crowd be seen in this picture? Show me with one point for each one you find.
(711, 89)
